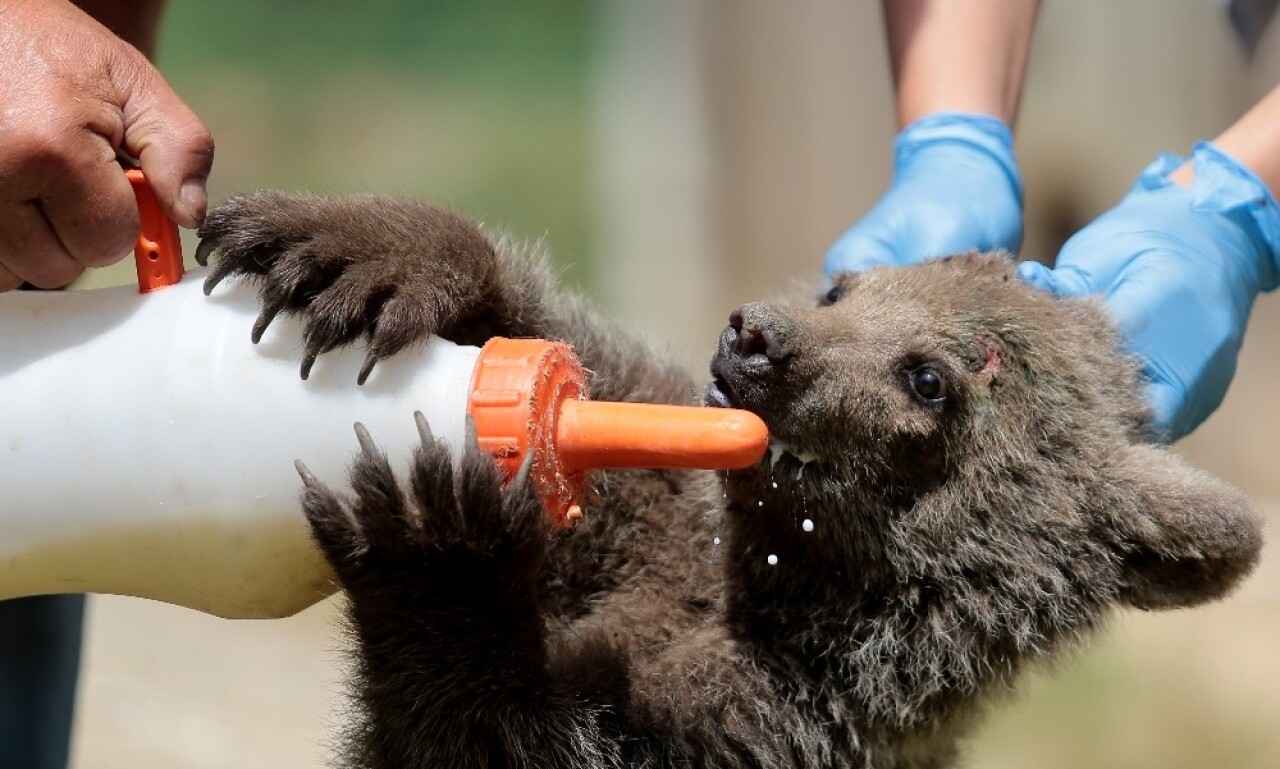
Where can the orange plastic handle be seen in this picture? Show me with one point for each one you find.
(158, 251)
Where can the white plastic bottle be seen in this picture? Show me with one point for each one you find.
(147, 448)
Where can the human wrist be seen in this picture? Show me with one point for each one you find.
(969, 57)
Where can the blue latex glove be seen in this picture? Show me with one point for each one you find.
(1179, 269)
(955, 188)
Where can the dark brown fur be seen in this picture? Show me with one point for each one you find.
(955, 540)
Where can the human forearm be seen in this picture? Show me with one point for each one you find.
(960, 56)
(1253, 140)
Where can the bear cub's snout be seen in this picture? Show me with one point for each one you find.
(753, 350)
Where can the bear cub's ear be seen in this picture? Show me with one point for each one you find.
(1183, 536)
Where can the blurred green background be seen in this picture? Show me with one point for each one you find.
(680, 158)
(481, 105)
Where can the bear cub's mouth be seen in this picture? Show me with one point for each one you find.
(728, 380)
(723, 391)
(719, 394)
(731, 374)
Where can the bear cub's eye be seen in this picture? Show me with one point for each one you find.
(832, 296)
(928, 384)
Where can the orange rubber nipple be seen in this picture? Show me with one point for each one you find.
(530, 395)
(596, 435)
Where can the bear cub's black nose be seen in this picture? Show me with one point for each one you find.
(761, 329)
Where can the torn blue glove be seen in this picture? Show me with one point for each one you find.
(955, 188)
(1179, 269)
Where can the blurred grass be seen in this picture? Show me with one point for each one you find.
(479, 105)
(536, 41)
(1176, 690)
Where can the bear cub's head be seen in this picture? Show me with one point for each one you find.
(955, 447)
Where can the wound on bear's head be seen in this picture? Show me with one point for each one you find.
(986, 359)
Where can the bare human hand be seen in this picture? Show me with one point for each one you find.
(73, 96)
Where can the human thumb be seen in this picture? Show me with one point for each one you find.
(856, 251)
(171, 143)
(1064, 281)
(1168, 415)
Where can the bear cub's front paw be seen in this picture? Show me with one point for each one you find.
(454, 536)
(393, 271)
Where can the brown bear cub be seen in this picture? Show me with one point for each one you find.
(961, 482)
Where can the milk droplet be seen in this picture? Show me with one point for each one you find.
(760, 503)
(806, 524)
(772, 559)
(716, 542)
(775, 484)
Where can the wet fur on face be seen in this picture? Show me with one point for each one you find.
(961, 482)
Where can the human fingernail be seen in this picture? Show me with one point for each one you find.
(192, 200)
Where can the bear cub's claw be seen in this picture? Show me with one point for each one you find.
(334, 264)
(454, 523)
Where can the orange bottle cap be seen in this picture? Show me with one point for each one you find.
(530, 395)
(516, 391)
(158, 250)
